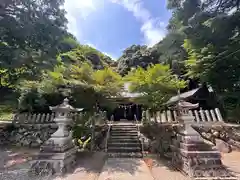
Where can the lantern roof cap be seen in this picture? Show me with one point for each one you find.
(187, 105)
(65, 106)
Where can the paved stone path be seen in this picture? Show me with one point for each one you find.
(14, 166)
(162, 169)
(88, 168)
(232, 162)
(125, 169)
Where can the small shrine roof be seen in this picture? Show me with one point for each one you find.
(185, 95)
(182, 96)
(187, 105)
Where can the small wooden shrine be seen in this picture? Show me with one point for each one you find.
(203, 95)
(126, 108)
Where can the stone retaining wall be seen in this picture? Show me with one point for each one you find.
(227, 135)
(28, 135)
(32, 130)
(157, 138)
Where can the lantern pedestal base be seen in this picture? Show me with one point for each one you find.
(54, 163)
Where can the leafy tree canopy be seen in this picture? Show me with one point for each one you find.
(211, 31)
(156, 83)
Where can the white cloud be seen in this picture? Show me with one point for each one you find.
(76, 10)
(110, 55)
(152, 29)
(90, 44)
(96, 47)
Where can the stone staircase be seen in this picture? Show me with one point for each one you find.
(123, 141)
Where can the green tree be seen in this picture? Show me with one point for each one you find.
(80, 82)
(211, 40)
(171, 51)
(107, 82)
(136, 56)
(156, 84)
(30, 34)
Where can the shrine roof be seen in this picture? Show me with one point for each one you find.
(185, 95)
(182, 96)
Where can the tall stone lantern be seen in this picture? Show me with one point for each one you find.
(191, 154)
(57, 154)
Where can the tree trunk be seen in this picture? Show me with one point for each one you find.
(92, 131)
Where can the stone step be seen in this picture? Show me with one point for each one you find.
(126, 125)
(124, 128)
(124, 149)
(207, 162)
(116, 138)
(217, 178)
(212, 171)
(124, 141)
(123, 144)
(200, 154)
(124, 134)
(124, 131)
(196, 147)
(125, 155)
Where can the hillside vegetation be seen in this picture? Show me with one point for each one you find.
(38, 69)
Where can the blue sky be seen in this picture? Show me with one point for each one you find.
(113, 25)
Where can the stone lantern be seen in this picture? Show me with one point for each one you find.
(185, 117)
(57, 154)
(190, 152)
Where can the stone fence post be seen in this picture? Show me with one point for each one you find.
(144, 118)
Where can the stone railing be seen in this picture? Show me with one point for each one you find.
(46, 118)
(201, 116)
(40, 118)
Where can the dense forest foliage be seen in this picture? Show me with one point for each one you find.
(202, 43)
(41, 62)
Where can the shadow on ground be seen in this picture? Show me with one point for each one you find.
(126, 165)
(13, 158)
(90, 162)
(15, 161)
(157, 161)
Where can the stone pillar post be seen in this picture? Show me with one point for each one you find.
(93, 119)
(148, 116)
(57, 154)
(137, 112)
(144, 118)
